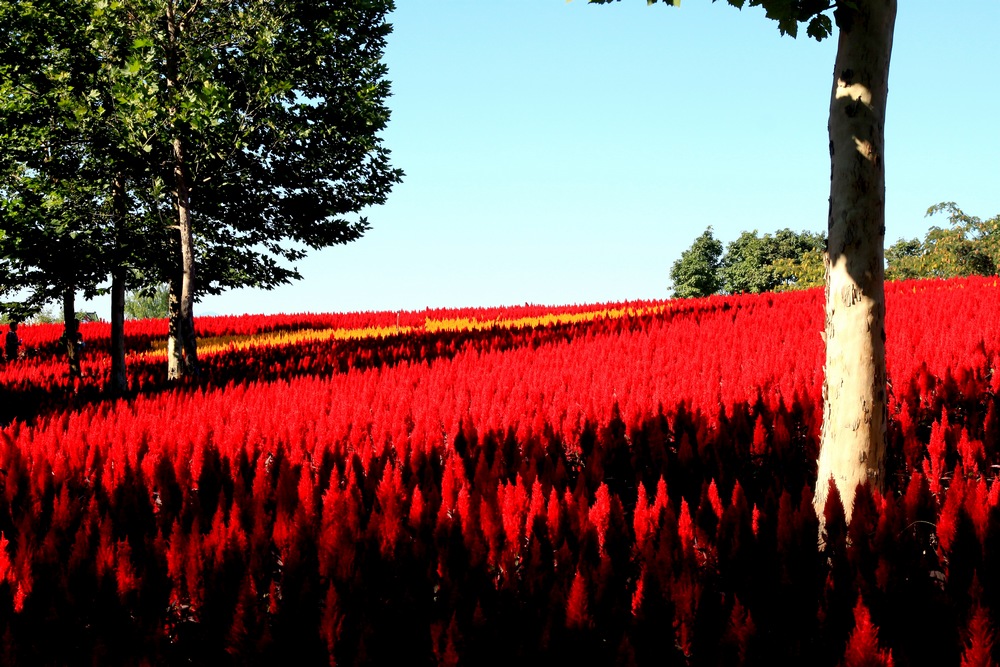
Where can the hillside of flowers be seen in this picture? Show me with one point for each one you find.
(604, 484)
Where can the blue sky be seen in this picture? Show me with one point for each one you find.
(564, 153)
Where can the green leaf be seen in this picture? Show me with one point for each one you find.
(820, 27)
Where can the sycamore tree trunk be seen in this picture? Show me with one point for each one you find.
(71, 331)
(182, 355)
(854, 391)
(175, 348)
(182, 352)
(185, 307)
(118, 382)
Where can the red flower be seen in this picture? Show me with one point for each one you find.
(125, 576)
(758, 447)
(714, 499)
(637, 595)
(416, 508)
(862, 648)
(641, 520)
(600, 514)
(577, 615)
(685, 526)
(971, 451)
(553, 517)
(934, 463)
(994, 497)
(947, 523)
(513, 501)
(4, 558)
(979, 646)
(741, 630)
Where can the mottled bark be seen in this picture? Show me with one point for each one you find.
(182, 352)
(175, 348)
(854, 391)
(186, 306)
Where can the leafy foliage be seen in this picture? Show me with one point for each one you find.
(767, 263)
(695, 273)
(785, 261)
(52, 201)
(790, 260)
(787, 13)
(804, 272)
(154, 304)
(279, 107)
(970, 246)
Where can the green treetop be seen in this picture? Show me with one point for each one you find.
(969, 246)
(696, 272)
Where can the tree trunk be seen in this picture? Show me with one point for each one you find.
(175, 346)
(188, 337)
(71, 330)
(118, 383)
(182, 351)
(854, 391)
(183, 355)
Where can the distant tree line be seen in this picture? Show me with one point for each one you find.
(752, 263)
(788, 260)
(969, 246)
(152, 303)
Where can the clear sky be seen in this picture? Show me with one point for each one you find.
(564, 153)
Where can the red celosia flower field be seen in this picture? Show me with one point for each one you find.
(608, 484)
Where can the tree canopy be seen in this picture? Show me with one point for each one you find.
(753, 263)
(141, 140)
(969, 246)
(788, 260)
(789, 14)
(52, 193)
(148, 304)
(695, 273)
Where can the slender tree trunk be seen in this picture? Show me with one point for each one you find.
(175, 348)
(71, 329)
(186, 311)
(119, 378)
(118, 383)
(182, 352)
(854, 392)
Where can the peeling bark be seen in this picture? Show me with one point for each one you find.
(182, 352)
(185, 312)
(71, 329)
(175, 348)
(852, 449)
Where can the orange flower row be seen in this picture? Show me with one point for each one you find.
(473, 324)
(214, 344)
